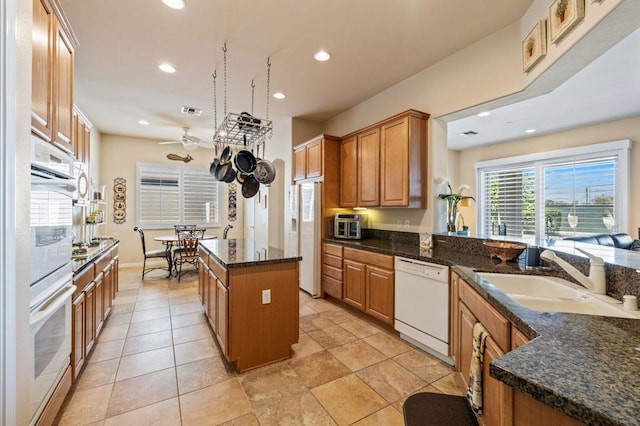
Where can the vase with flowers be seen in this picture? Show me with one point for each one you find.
(453, 201)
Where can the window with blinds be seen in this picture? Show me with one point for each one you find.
(578, 191)
(168, 195)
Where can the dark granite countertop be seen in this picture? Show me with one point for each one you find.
(236, 253)
(582, 365)
(103, 245)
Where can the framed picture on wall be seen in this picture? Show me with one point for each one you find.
(534, 45)
(563, 16)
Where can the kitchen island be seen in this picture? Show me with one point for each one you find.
(250, 295)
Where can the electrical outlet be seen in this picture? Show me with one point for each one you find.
(407, 224)
(266, 297)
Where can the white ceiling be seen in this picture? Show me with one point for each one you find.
(375, 44)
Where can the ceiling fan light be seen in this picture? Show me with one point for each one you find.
(175, 4)
(322, 56)
(190, 146)
(167, 68)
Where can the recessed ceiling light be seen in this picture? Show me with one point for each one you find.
(143, 122)
(175, 4)
(167, 68)
(322, 56)
(530, 131)
(279, 95)
(484, 114)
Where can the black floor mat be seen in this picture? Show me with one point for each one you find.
(435, 409)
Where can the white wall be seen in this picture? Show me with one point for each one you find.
(118, 157)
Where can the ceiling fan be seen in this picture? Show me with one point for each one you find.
(189, 142)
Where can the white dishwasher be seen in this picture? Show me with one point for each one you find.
(422, 305)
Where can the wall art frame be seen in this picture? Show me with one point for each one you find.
(534, 45)
(564, 15)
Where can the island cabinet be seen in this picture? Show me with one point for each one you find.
(385, 164)
(502, 405)
(312, 158)
(250, 297)
(96, 286)
(331, 280)
(52, 75)
(369, 283)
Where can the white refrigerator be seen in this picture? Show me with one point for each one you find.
(309, 239)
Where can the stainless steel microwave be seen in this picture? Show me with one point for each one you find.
(350, 226)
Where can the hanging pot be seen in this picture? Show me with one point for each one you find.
(213, 166)
(226, 155)
(265, 171)
(250, 187)
(240, 177)
(230, 176)
(245, 161)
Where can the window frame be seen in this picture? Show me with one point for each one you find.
(180, 170)
(619, 148)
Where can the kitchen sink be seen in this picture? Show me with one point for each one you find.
(556, 295)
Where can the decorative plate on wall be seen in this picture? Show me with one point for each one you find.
(119, 200)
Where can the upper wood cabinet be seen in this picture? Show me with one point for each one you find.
(52, 75)
(81, 138)
(349, 172)
(389, 162)
(310, 158)
(42, 66)
(369, 168)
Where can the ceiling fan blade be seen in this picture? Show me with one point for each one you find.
(168, 142)
(207, 145)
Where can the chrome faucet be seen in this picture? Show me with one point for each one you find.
(226, 231)
(596, 282)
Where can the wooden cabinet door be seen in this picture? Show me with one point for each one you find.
(369, 168)
(212, 300)
(89, 316)
(394, 163)
(454, 335)
(466, 321)
(354, 284)
(380, 293)
(42, 64)
(78, 335)
(314, 159)
(99, 303)
(496, 396)
(349, 172)
(202, 281)
(517, 338)
(300, 163)
(86, 146)
(106, 291)
(222, 316)
(62, 89)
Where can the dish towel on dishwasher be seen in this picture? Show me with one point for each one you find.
(474, 391)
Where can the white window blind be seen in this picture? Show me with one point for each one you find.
(169, 195)
(555, 195)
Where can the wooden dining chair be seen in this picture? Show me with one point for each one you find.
(187, 251)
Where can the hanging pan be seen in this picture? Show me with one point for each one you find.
(265, 171)
(250, 187)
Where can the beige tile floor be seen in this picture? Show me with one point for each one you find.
(157, 363)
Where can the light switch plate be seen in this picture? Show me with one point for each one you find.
(266, 297)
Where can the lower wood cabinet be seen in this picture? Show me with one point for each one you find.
(222, 316)
(369, 283)
(331, 278)
(502, 405)
(97, 285)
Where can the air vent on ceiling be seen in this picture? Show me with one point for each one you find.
(191, 110)
(470, 133)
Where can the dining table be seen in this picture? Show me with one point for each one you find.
(169, 241)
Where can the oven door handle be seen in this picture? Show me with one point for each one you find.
(48, 308)
(66, 184)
